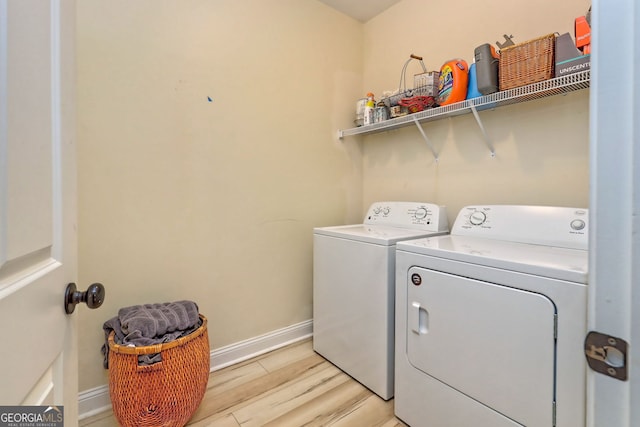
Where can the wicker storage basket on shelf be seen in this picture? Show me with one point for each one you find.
(528, 62)
(166, 393)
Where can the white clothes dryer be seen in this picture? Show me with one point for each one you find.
(353, 288)
(490, 320)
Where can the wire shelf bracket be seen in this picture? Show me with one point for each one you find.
(426, 139)
(486, 138)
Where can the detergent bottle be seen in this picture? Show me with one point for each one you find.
(472, 91)
(487, 60)
(369, 108)
(454, 79)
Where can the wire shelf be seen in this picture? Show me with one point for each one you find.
(556, 86)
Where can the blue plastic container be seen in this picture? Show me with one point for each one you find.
(472, 90)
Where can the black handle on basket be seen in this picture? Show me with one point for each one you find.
(93, 296)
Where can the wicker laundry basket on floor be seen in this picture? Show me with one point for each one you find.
(166, 393)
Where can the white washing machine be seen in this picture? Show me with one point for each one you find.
(353, 288)
(490, 320)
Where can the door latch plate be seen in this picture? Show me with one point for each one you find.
(607, 355)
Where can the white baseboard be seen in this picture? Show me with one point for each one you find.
(96, 400)
(93, 401)
(243, 350)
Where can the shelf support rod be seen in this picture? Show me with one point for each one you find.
(426, 139)
(484, 132)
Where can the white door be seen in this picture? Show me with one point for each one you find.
(493, 343)
(38, 361)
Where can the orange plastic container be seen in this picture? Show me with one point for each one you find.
(454, 80)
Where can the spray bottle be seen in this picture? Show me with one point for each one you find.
(368, 109)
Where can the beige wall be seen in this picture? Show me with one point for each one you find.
(182, 198)
(216, 201)
(541, 147)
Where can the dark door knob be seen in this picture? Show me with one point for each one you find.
(93, 297)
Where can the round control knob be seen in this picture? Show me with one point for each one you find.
(376, 210)
(477, 218)
(421, 213)
(578, 224)
(386, 210)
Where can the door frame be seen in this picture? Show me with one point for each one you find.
(614, 278)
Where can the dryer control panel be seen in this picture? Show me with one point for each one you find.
(417, 215)
(542, 225)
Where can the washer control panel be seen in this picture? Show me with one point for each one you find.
(424, 216)
(543, 225)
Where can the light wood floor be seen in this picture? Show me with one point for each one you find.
(292, 386)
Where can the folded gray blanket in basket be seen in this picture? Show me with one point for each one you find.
(150, 324)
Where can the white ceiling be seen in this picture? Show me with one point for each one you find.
(362, 10)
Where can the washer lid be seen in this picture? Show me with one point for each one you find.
(376, 234)
(546, 261)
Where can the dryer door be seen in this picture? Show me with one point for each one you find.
(493, 343)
